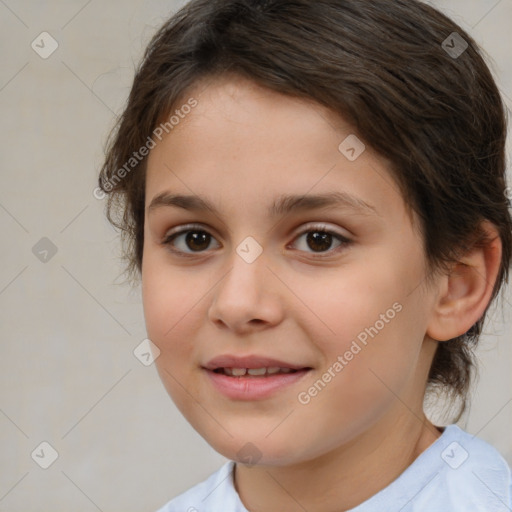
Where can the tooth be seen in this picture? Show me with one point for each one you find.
(273, 369)
(257, 371)
(286, 370)
(238, 372)
(228, 371)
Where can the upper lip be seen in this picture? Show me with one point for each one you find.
(254, 361)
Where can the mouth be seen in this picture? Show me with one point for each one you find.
(253, 377)
(251, 365)
(249, 384)
(257, 372)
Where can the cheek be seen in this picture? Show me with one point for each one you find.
(353, 305)
(171, 317)
(172, 314)
(382, 361)
(373, 331)
(360, 382)
(169, 298)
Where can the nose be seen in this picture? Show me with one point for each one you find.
(247, 297)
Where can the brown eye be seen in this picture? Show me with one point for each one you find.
(197, 240)
(321, 240)
(189, 241)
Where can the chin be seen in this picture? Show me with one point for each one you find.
(256, 450)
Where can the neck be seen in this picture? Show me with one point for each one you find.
(343, 478)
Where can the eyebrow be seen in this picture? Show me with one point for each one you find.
(283, 205)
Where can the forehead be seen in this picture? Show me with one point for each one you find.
(244, 143)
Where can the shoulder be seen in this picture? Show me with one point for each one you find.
(217, 492)
(457, 473)
(470, 474)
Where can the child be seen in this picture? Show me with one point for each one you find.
(314, 196)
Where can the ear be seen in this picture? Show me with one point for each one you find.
(466, 291)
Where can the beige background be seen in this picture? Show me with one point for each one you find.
(68, 374)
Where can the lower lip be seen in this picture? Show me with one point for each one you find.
(253, 387)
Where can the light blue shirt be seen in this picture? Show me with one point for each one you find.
(457, 473)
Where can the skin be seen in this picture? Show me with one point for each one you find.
(241, 147)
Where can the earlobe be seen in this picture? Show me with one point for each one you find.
(465, 292)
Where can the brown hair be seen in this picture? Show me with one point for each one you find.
(385, 67)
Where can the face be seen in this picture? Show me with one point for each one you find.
(329, 288)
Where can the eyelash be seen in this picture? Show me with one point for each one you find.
(168, 239)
